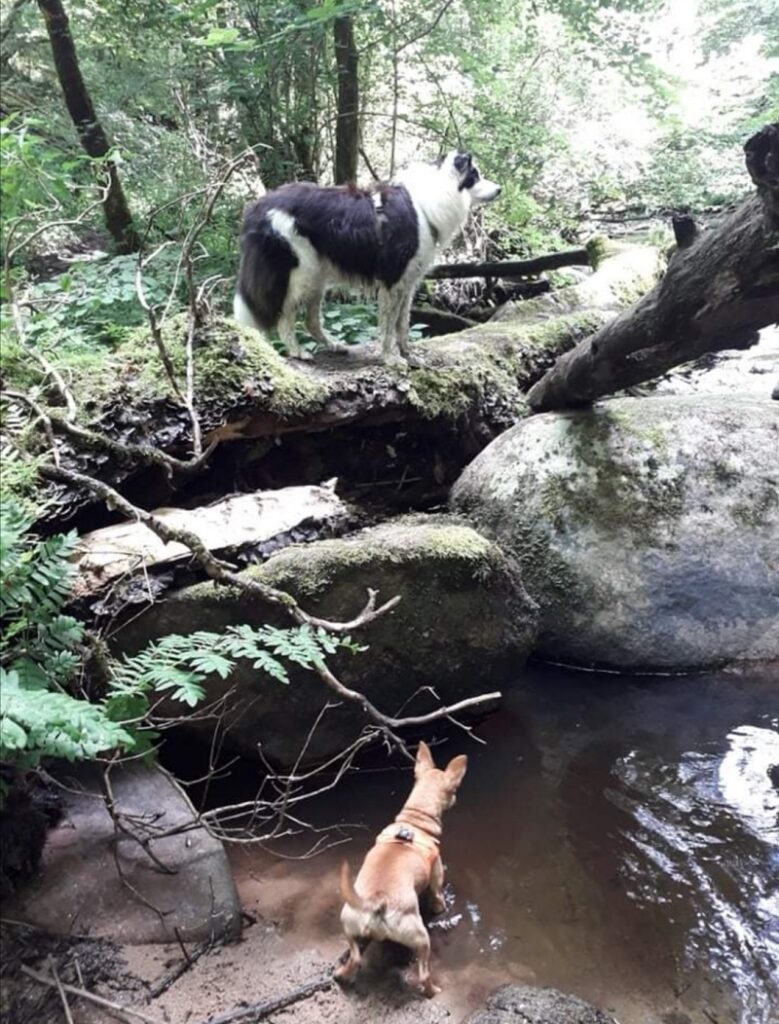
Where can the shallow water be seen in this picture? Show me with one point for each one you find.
(617, 838)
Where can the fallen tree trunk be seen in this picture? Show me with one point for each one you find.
(721, 287)
(376, 428)
(515, 268)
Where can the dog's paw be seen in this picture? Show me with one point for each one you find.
(396, 363)
(438, 904)
(429, 990)
(344, 973)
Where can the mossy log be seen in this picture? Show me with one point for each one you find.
(469, 387)
(721, 287)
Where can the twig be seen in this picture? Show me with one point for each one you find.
(180, 968)
(223, 573)
(259, 1011)
(65, 1006)
(19, 396)
(123, 1012)
(182, 947)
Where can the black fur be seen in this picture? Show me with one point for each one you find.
(266, 263)
(463, 164)
(343, 224)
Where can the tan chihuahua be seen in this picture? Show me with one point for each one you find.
(383, 903)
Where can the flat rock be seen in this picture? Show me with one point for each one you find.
(79, 889)
(646, 528)
(464, 626)
(524, 1004)
(230, 524)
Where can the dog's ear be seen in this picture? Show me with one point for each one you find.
(462, 162)
(424, 760)
(455, 771)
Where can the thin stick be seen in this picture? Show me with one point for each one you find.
(259, 1011)
(63, 997)
(180, 968)
(123, 1012)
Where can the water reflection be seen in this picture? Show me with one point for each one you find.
(616, 839)
(693, 832)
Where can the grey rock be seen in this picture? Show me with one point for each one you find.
(647, 529)
(523, 1004)
(79, 889)
(464, 626)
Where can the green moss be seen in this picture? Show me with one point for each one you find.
(309, 570)
(760, 510)
(607, 485)
(500, 368)
(231, 364)
(597, 251)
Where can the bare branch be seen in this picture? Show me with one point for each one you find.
(122, 1012)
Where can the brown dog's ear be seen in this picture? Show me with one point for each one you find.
(455, 771)
(424, 760)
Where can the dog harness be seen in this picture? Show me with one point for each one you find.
(407, 835)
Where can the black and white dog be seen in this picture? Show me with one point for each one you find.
(301, 238)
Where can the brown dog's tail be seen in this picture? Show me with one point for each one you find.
(348, 895)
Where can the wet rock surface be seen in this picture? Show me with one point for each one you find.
(523, 1004)
(464, 626)
(79, 888)
(647, 530)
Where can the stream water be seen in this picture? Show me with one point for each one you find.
(616, 837)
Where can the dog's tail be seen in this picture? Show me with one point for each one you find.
(267, 260)
(349, 895)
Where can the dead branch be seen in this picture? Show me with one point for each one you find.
(191, 957)
(40, 414)
(259, 1011)
(116, 1009)
(513, 268)
(186, 266)
(63, 997)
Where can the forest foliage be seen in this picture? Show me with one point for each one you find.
(584, 110)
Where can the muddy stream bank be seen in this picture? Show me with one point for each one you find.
(616, 838)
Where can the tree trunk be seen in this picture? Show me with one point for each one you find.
(721, 287)
(79, 103)
(347, 123)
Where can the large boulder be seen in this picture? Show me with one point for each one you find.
(464, 626)
(525, 1004)
(94, 881)
(647, 529)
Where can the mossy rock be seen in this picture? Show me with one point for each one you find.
(464, 626)
(647, 529)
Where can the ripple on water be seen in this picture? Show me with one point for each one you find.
(704, 831)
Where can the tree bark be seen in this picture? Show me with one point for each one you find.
(81, 109)
(347, 122)
(513, 268)
(721, 287)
